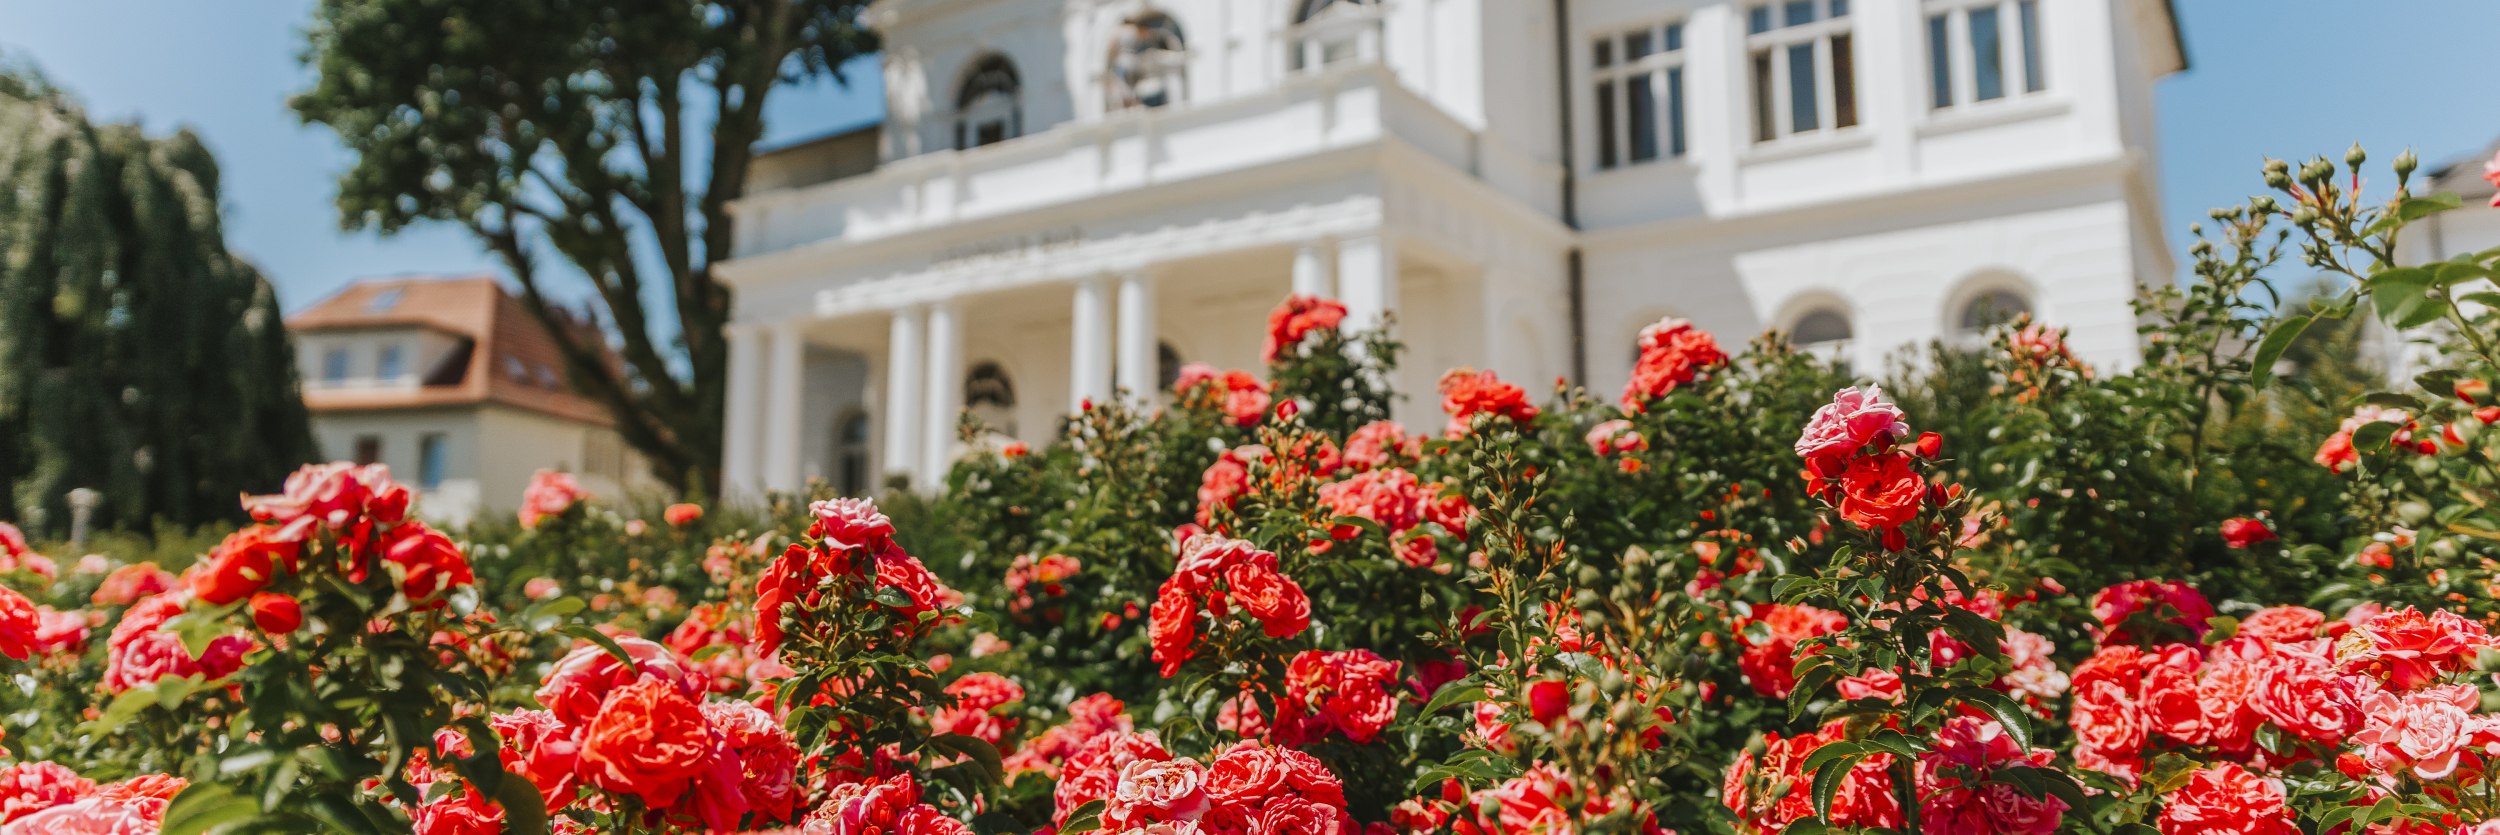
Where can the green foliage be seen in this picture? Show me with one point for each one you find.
(138, 357)
(613, 138)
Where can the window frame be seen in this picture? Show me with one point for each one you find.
(2022, 59)
(337, 365)
(1772, 99)
(1320, 26)
(1609, 85)
(979, 105)
(433, 457)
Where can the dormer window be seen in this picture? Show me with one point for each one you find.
(987, 108)
(1335, 31)
(385, 300)
(1149, 63)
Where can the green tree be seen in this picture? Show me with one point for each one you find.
(138, 357)
(613, 135)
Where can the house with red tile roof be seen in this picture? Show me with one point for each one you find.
(455, 386)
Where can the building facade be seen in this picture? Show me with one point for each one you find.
(451, 383)
(1071, 197)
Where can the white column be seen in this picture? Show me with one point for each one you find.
(944, 387)
(1310, 271)
(1137, 338)
(781, 418)
(903, 368)
(1367, 280)
(1089, 349)
(740, 430)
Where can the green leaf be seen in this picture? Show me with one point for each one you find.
(974, 750)
(1827, 783)
(2271, 348)
(1086, 818)
(600, 638)
(204, 808)
(2402, 297)
(1462, 691)
(2017, 723)
(524, 809)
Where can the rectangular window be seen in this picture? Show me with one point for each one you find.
(1605, 124)
(2030, 13)
(388, 367)
(1640, 98)
(1987, 54)
(1804, 68)
(432, 457)
(1643, 116)
(334, 366)
(368, 449)
(1939, 61)
(1982, 51)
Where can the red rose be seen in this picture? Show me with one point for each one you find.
(430, 561)
(1296, 318)
(465, 812)
(1174, 626)
(27, 788)
(1880, 492)
(2174, 603)
(1295, 816)
(682, 514)
(2106, 720)
(275, 613)
(766, 753)
(1548, 700)
(2244, 532)
(1466, 392)
(2409, 651)
(1349, 692)
(19, 624)
(2227, 800)
(1672, 354)
(1156, 790)
(1276, 601)
(1093, 771)
(244, 563)
(1768, 657)
(583, 679)
(649, 741)
(2283, 624)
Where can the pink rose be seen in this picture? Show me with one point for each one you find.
(1854, 418)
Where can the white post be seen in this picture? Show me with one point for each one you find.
(944, 387)
(1089, 350)
(781, 419)
(740, 430)
(902, 392)
(1310, 271)
(1137, 368)
(1367, 280)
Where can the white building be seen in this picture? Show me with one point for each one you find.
(452, 384)
(1071, 195)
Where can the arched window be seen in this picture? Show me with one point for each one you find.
(1820, 326)
(1167, 365)
(991, 397)
(987, 107)
(1149, 62)
(1990, 309)
(850, 453)
(1332, 31)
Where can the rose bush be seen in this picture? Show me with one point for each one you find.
(1749, 591)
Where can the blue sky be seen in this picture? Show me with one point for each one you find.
(2403, 72)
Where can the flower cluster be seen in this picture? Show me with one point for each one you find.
(1248, 788)
(851, 551)
(1045, 576)
(1239, 395)
(1215, 575)
(50, 799)
(1853, 465)
(631, 729)
(549, 495)
(1673, 353)
(1295, 319)
(1466, 393)
(1352, 692)
(1401, 504)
